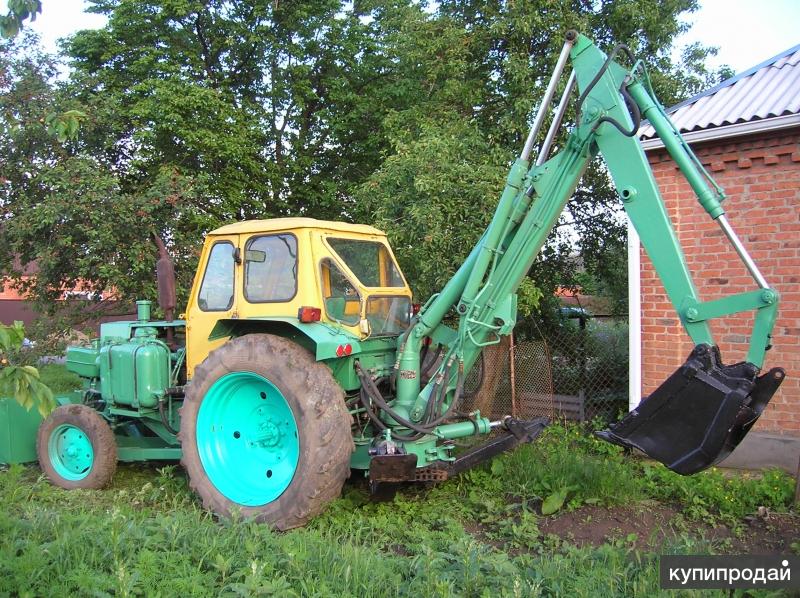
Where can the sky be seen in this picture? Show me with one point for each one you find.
(747, 32)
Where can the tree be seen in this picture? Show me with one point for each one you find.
(193, 114)
(486, 63)
(64, 206)
(19, 11)
(197, 114)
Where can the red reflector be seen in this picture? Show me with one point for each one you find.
(309, 314)
(340, 351)
(348, 348)
(415, 308)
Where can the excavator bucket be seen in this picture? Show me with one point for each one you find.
(699, 414)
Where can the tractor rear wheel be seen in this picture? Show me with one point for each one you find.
(265, 432)
(76, 448)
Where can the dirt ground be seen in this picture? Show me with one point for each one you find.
(654, 524)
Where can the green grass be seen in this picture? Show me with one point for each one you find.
(58, 378)
(477, 535)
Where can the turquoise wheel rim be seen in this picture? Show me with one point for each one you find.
(247, 439)
(71, 453)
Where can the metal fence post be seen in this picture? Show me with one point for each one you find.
(513, 378)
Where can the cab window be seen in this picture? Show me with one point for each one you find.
(370, 261)
(270, 268)
(388, 315)
(216, 291)
(342, 302)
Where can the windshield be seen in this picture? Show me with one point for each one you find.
(388, 315)
(370, 261)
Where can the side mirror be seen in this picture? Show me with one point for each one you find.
(255, 255)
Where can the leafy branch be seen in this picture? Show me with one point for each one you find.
(18, 12)
(21, 381)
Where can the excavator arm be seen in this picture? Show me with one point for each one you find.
(701, 412)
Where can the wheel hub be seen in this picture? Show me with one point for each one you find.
(247, 439)
(268, 433)
(70, 452)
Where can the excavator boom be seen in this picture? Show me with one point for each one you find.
(701, 412)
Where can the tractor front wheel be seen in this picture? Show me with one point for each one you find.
(76, 448)
(265, 431)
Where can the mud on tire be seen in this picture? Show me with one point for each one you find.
(322, 420)
(96, 431)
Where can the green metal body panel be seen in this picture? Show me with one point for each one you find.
(323, 340)
(145, 448)
(83, 361)
(18, 428)
(71, 398)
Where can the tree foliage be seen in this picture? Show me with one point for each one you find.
(194, 114)
(17, 379)
(19, 11)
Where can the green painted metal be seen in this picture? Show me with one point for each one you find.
(70, 452)
(143, 308)
(495, 233)
(323, 339)
(247, 439)
(428, 448)
(84, 361)
(764, 301)
(761, 337)
(677, 149)
(145, 448)
(71, 398)
(375, 354)
(124, 329)
(18, 428)
(634, 181)
(135, 372)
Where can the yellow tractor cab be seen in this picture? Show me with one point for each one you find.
(295, 273)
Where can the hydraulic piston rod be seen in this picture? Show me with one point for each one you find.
(556, 124)
(548, 95)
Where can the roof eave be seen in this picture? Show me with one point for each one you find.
(776, 123)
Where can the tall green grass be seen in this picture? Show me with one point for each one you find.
(476, 535)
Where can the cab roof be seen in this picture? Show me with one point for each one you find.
(285, 224)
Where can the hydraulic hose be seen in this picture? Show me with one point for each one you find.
(376, 396)
(164, 418)
(372, 392)
(633, 109)
(617, 49)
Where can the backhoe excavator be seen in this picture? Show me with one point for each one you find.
(300, 358)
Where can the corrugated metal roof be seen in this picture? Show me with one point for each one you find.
(768, 90)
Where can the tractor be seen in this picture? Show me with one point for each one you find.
(301, 358)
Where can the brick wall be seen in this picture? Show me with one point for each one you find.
(761, 177)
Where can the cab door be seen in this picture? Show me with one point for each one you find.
(214, 296)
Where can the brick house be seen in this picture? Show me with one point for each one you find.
(746, 132)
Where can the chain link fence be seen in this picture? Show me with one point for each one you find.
(576, 369)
